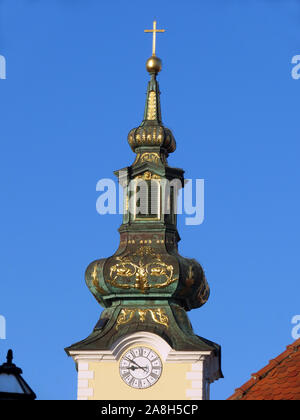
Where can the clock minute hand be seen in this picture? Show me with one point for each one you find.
(132, 361)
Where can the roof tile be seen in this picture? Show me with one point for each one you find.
(279, 380)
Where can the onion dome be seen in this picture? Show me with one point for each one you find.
(146, 285)
(148, 272)
(152, 133)
(147, 265)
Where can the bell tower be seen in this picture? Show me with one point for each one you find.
(143, 346)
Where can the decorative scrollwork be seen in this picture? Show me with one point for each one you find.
(151, 114)
(125, 316)
(95, 282)
(142, 314)
(148, 176)
(158, 315)
(203, 292)
(150, 157)
(132, 271)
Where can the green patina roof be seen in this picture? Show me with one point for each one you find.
(147, 273)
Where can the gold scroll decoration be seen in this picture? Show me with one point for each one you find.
(148, 176)
(151, 113)
(94, 276)
(152, 157)
(140, 270)
(203, 293)
(158, 315)
(147, 135)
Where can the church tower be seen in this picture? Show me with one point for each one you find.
(143, 347)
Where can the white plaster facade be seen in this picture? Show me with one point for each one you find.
(193, 371)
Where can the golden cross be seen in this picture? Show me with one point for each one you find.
(154, 30)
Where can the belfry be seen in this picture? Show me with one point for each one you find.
(143, 346)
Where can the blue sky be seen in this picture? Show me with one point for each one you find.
(75, 86)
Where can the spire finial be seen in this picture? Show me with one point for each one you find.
(154, 31)
(9, 357)
(153, 64)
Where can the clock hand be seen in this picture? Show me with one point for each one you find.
(132, 361)
(145, 368)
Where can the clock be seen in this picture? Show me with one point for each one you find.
(140, 367)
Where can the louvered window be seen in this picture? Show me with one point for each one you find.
(147, 200)
(170, 204)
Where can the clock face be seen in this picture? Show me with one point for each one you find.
(140, 367)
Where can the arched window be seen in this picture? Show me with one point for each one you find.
(147, 199)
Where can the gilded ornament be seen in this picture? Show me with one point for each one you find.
(147, 176)
(203, 293)
(154, 31)
(125, 316)
(132, 272)
(151, 112)
(150, 157)
(95, 282)
(190, 279)
(142, 313)
(158, 315)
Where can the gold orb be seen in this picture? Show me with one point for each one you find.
(153, 64)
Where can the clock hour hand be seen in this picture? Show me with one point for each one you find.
(137, 367)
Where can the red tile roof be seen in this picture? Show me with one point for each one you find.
(279, 380)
